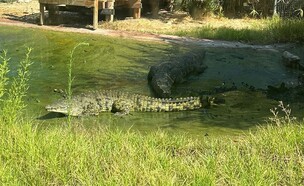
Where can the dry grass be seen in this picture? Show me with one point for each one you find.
(179, 21)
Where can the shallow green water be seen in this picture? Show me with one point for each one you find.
(121, 64)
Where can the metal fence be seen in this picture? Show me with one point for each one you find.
(289, 8)
(240, 8)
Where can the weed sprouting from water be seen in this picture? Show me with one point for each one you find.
(13, 102)
(279, 120)
(70, 81)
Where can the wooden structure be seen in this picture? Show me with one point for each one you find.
(103, 6)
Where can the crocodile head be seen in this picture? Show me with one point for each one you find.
(61, 106)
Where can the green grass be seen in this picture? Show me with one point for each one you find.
(225, 33)
(271, 155)
(271, 31)
(287, 30)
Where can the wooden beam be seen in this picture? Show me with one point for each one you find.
(95, 15)
(42, 13)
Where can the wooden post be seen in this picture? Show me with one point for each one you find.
(136, 13)
(53, 14)
(103, 5)
(136, 6)
(110, 5)
(95, 15)
(155, 8)
(42, 13)
(275, 12)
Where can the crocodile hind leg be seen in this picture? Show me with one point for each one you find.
(122, 107)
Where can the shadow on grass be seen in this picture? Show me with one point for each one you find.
(30, 18)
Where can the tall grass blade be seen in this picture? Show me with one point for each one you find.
(70, 81)
(3, 72)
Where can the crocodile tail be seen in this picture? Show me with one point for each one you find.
(168, 105)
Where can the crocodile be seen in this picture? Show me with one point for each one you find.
(95, 102)
(163, 76)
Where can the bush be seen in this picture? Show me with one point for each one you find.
(12, 98)
(199, 8)
(287, 30)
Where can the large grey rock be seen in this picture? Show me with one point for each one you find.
(292, 61)
(162, 76)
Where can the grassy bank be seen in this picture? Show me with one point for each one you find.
(271, 31)
(246, 30)
(271, 156)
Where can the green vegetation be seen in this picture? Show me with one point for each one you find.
(272, 155)
(70, 81)
(271, 31)
(12, 104)
(4, 69)
(197, 9)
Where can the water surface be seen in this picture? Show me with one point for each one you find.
(122, 64)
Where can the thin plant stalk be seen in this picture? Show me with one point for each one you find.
(3, 72)
(70, 81)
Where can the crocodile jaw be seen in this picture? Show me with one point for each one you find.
(59, 109)
(63, 109)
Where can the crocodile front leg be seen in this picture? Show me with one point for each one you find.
(122, 107)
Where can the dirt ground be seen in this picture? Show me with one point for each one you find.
(27, 12)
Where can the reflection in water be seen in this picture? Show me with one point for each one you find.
(121, 64)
